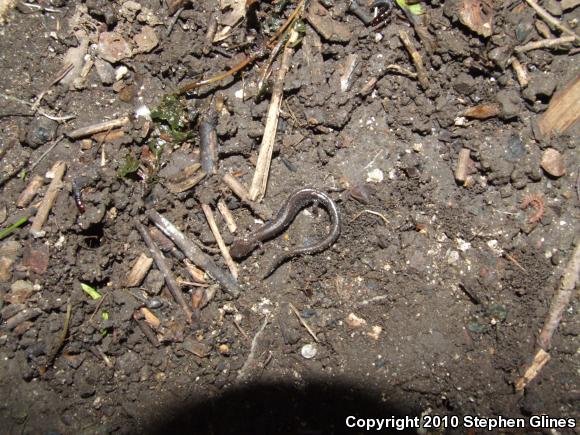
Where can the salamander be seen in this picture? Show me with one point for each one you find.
(243, 246)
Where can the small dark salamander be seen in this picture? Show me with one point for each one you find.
(242, 247)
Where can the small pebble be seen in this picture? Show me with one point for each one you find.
(309, 351)
(154, 303)
(553, 163)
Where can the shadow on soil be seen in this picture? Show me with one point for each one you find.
(317, 408)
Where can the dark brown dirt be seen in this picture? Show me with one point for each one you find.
(417, 310)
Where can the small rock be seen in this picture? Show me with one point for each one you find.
(500, 56)
(569, 4)
(5, 269)
(154, 303)
(464, 84)
(121, 72)
(553, 163)
(540, 85)
(224, 349)
(375, 176)
(146, 40)
(35, 258)
(113, 47)
(129, 10)
(510, 103)
(553, 7)
(40, 131)
(376, 332)
(10, 249)
(105, 71)
(20, 291)
(309, 351)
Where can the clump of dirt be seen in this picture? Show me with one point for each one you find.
(458, 198)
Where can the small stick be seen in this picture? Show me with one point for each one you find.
(194, 253)
(260, 180)
(462, 169)
(97, 128)
(139, 270)
(44, 154)
(540, 360)
(173, 21)
(550, 19)
(514, 261)
(208, 142)
(227, 215)
(360, 213)
(146, 330)
(243, 373)
(28, 194)
(545, 43)
(46, 205)
(303, 322)
(61, 339)
(22, 316)
(521, 73)
(106, 359)
(219, 239)
(165, 271)
(416, 58)
(561, 299)
(240, 191)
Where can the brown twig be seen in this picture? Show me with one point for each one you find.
(303, 322)
(208, 142)
(97, 128)
(165, 270)
(139, 270)
(540, 360)
(219, 239)
(260, 180)
(28, 194)
(550, 19)
(375, 213)
(416, 58)
(58, 171)
(561, 299)
(545, 43)
(521, 73)
(195, 254)
(227, 215)
(240, 191)
(244, 371)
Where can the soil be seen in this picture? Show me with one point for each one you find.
(431, 300)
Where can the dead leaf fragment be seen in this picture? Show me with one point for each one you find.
(483, 111)
(197, 348)
(478, 16)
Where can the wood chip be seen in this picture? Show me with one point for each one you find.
(139, 271)
(563, 111)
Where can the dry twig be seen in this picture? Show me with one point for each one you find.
(195, 254)
(561, 299)
(303, 322)
(545, 43)
(240, 191)
(42, 214)
(550, 19)
(260, 180)
(416, 58)
(219, 239)
(165, 270)
(244, 371)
